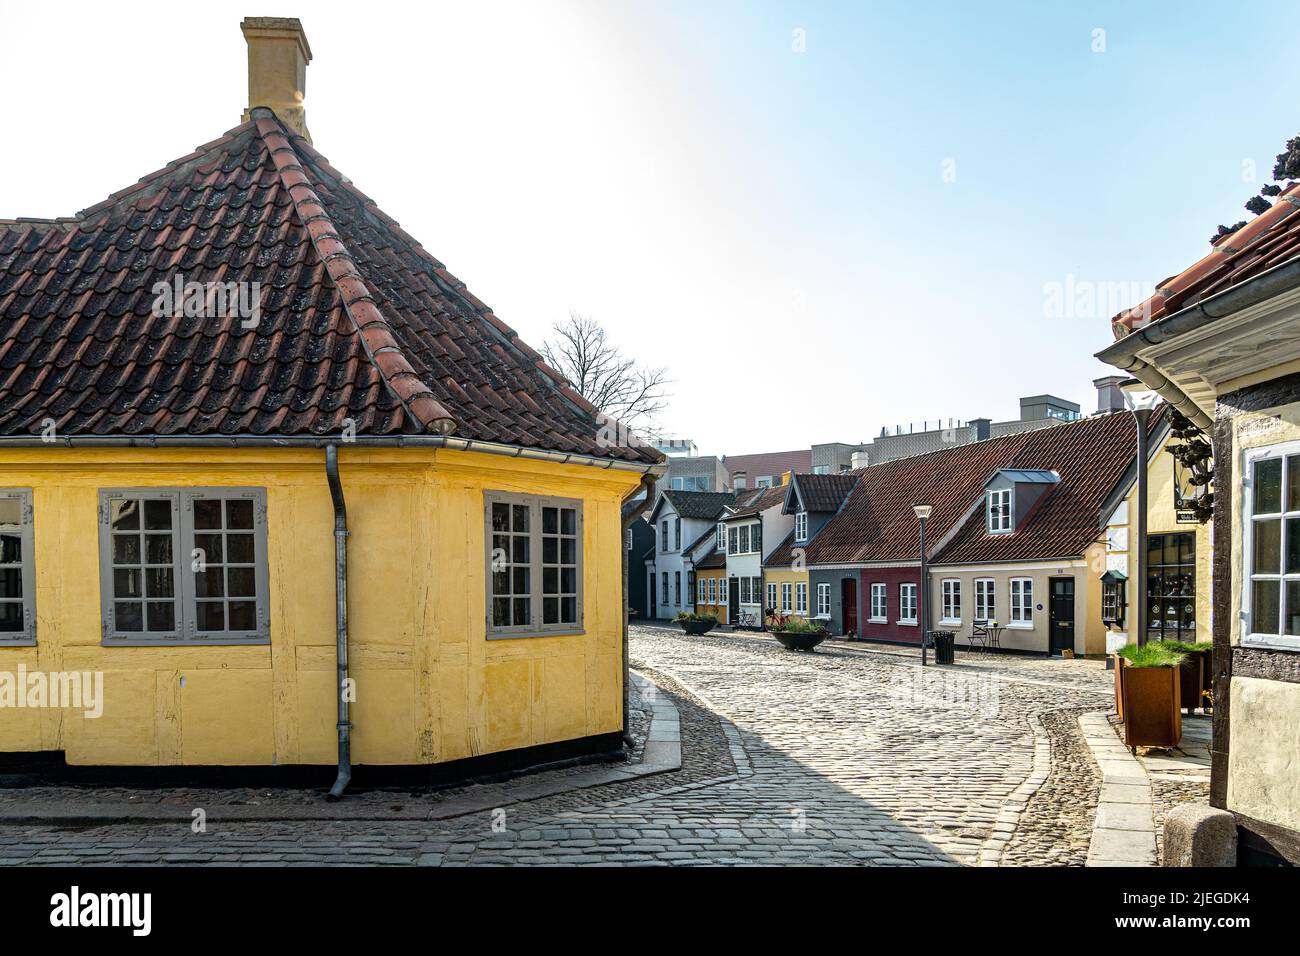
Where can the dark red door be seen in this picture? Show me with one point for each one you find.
(849, 602)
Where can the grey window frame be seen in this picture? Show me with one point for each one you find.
(535, 534)
(186, 633)
(26, 568)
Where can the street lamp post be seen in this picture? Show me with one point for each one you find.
(922, 591)
(1141, 399)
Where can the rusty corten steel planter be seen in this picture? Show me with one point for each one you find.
(1149, 703)
(1194, 677)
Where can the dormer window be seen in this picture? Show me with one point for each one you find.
(801, 526)
(722, 536)
(999, 511)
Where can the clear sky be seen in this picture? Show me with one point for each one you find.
(822, 218)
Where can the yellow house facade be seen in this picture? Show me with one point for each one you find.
(345, 515)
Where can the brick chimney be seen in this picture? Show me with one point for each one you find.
(278, 55)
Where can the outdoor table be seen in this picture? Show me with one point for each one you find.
(993, 636)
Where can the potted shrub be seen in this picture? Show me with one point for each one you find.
(797, 633)
(1149, 683)
(696, 623)
(1197, 672)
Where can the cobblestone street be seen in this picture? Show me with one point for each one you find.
(849, 755)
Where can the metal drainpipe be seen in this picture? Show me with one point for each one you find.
(341, 619)
(648, 483)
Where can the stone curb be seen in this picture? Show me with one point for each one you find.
(662, 754)
(1123, 832)
(1008, 818)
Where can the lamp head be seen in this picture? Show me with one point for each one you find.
(922, 511)
(1138, 395)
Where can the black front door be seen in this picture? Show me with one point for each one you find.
(1061, 617)
(733, 600)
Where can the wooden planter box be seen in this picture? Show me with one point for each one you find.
(1195, 677)
(697, 627)
(1149, 702)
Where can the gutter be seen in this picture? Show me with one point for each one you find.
(340, 619)
(1122, 353)
(647, 483)
(296, 441)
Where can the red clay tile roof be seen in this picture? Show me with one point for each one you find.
(1090, 456)
(358, 321)
(774, 463)
(877, 522)
(1268, 240)
(824, 492)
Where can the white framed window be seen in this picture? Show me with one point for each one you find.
(985, 602)
(744, 539)
(180, 566)
(907, 604)
(713, 590)
(733, 540)
(786, 603)
(663, 535)
(722, 536)
(677, 588)
(801, 526)
(951, 594)
(17, 569)
(879, 603)
(771, 595)
(763, 481)
(823, 600)
(702, 591)
(757, 589)
(1022, 603)
(999, 511)
(821, 469)
(1270, 599)
(801, 598)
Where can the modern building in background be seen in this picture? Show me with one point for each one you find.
(765, 470)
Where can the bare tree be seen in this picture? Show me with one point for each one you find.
(619, 386)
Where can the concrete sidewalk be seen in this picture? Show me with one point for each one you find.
(85, 806)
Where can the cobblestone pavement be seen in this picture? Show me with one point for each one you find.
(850, 755)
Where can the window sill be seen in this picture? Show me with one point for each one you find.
(877, 620)
(1272, 642)
(21, 642)
(950, 621)
(911, 623)
(179, 642)
(529, 635)
(1021, 626)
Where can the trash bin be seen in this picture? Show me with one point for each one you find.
(943, 645)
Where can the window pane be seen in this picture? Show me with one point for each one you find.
(241, 582)
(11, 617)
(1264, 607)
(550, 520)
(11, 549)
(126, 515)
(210, 582)
(157, 515)
(207, 513)
(1268, 546)
(1292, 545)
(500, 612)
(569, 580)
(568, 610)
(239, 514)
(126, 583)
(209, 546)
(11, 511)
(128, 616)
(1293, 483)
(239, 548)
(500, 582)
(126, 549)
(211, 615)
(520, 518)
(158, 548)
(521, 583)
(550, 580)
(1268, 486)
(568, 521)
(11, 583)
(551, 611)
(161, 616)
(243, 616)
(520, 551)
(523, 612)
(568, 551)
(158, 583)
(500, 517)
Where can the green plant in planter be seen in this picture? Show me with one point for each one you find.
(696, 618)
(794, 625)
(1200, 647)
(1153, 654)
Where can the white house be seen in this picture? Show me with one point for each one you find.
(679, 519)
(755, 525)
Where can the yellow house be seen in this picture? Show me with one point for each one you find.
(281, 487)
(1179, 557)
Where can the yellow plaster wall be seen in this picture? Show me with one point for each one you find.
(779, 576)
(719, 608)
(430, 686)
